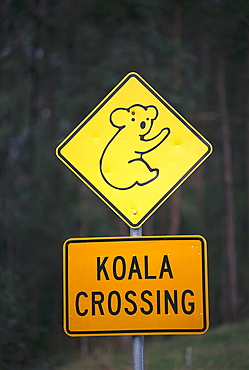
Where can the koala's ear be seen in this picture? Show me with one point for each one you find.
(152, 112)
(118, 117)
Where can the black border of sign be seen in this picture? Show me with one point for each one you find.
(136, 332)
(99, 193)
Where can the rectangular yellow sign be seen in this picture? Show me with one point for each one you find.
(135, 286)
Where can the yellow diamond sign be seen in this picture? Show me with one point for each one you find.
(134, 150)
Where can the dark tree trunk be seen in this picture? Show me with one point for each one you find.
(174, 200)
(230, 293)
(247, 110)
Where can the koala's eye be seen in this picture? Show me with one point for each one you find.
(142, 124)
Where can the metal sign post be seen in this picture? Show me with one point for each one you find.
(138, 352)
(137, 340)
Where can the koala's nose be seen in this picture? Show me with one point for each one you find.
(142, 124)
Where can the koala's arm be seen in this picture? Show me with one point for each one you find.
(152, 143)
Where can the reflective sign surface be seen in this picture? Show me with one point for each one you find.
(142, 285)
(134, 150)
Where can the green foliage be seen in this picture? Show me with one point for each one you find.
(16, 336)
(225, 347)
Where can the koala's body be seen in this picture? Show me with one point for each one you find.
(130, 144)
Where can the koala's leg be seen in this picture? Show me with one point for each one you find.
(140, 170)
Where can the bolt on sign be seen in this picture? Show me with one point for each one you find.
(135, 286)
(134, 150)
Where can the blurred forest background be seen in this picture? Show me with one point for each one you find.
(58, 59)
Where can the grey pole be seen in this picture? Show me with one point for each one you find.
(138, 352)
(137, 340)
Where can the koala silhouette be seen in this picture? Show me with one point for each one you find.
(130, 145)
